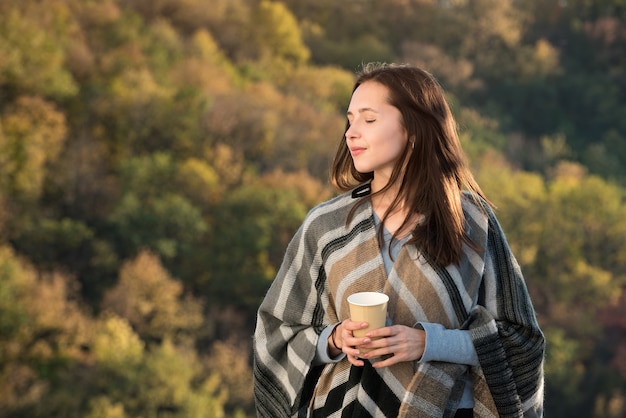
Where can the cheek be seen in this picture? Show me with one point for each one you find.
(400, 139)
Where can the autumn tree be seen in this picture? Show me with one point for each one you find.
(153, 302)
(32, 133)
(43, 334)
(149, 381)
(32, 41)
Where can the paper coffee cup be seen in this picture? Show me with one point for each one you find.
(370, 307)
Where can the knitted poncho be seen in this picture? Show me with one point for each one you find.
(328, 260)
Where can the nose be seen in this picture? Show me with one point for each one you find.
(351, 132)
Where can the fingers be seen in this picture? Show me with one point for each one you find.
(384, 332)
(394, 344)
(349, 325)
(397, 343)
(351, 343)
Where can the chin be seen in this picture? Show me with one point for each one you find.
(363, 169)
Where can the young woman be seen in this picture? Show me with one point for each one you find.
(462, 338)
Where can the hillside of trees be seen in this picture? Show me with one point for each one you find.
(157, 156)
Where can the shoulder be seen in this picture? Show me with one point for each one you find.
(333, 214)
(475, 207)
(480, 218)
(333, 210)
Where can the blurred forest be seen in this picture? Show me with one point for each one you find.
(156, 156)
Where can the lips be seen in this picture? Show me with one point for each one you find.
(356, 150)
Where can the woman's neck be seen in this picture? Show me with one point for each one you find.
(393, 217)
(382, 202)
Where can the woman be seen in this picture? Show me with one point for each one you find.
(462, 338)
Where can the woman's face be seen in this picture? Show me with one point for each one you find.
(376, 136)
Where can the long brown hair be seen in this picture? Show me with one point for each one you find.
(432, 171)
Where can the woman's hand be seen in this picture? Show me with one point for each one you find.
(400, 342)
(344, 338)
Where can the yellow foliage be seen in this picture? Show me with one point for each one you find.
(507, 188)
(53, 307)
(171, 370)
(102, 407)
(328, 88)
(138, 87)
(41, 324)
(204, 46)
(498, 18)
(32, 58)
(172, 376)
(205, 67)
(54, 323)
(228, 164)
(276, 33)
(546, 57)
(568, 172)
(211, 397)
(153, 302)
(32, 134)
(116, 345)
(310, 190)
(201, 180)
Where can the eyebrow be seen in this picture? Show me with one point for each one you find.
(361, 110)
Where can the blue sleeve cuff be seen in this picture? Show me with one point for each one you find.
(449, 345)
(321, 353)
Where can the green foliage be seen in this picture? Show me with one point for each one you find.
(248, 224)
(562, 365)
(150, 214)
(478, 134)
(349, 53)
(13, 314)
(62, 240)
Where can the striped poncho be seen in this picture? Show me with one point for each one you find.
(327, 260)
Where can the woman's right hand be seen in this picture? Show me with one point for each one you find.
(345, 339)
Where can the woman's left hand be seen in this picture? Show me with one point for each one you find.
(401, 342)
